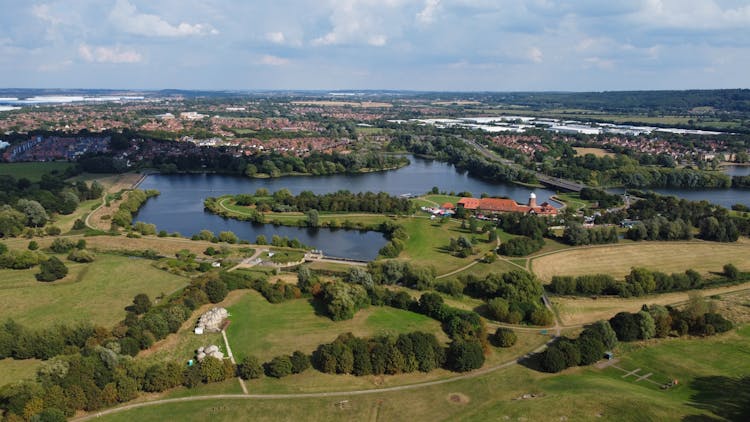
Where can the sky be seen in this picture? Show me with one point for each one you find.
(438, 45)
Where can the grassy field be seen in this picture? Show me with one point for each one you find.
(582, 310)
(428, 241)
(617, 260)
(16, 370)
(96, 292)
(31, 171)
(599, 152)
(266, 330)
(580, 394)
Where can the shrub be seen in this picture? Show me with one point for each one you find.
(249, 368)
(279, 367)
(505, 337)
(81, 255)
(62, 245)
(51, 270)
(465, 356)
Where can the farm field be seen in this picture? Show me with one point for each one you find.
(31, 171)
(599, 152)
(584, 393)
(668, 257)
(97, 292)
(574, 310)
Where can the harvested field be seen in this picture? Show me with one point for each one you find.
(668, 257)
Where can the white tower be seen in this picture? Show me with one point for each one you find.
(532, 199)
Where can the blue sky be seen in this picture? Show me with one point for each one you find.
(500, 45)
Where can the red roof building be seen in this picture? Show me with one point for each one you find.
(500, 205)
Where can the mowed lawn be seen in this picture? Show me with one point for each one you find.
(668, 257)
(266, 330)
(577, 394)
(428, 242)
(31, 171)
(96, 292)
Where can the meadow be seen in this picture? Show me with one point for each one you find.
(617, 260)
(32, 171)
(97, 292)
(584, 393)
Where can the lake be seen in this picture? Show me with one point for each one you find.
(179, 208)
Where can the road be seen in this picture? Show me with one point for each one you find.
(541, 177)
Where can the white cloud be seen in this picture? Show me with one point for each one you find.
(600, 63)
(369, 22)
(276, 37)
(43, 12)
(127, 18)
(427, 15)
(693, 14)
(270, 60)
(114, 54)
(535, 55)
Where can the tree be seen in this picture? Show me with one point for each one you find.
(12, 222)
(505, 337)
(313, 218)
(249, 368)
(625, 326)
(279, 367)
(300, 362)
(498, 309)
(51, 270)
(261, 240)
(228, 237)
(36, 216)
(212, 370)
(465, 356)
(646, 325)
(141, 303)
(731, 272)
(553, 360)
(216, 290)
(591, 348)
(342, 300)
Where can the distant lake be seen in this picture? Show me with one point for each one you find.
(179, 208)
(737, 170)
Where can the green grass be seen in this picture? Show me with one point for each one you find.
(31, 171)
(267, 330)
(96, 292)
(282, 257)
(428, 240)
(577, 394)
(16, 370)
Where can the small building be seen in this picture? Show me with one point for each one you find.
(609, 355)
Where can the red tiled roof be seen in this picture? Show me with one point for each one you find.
(447, 206)
(504, 205)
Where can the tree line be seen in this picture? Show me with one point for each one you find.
(640, 281)
(341, 201)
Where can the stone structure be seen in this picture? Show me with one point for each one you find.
(212, 351)
(211, 321)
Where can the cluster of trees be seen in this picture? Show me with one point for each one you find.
(461, 247)
(17, 259)
(402, 273)
(604, 199)
(512, 297)
(99, 376)
(318, 164)
(741, 182)
(575, 234)
(588, 348)
(342, 300)
(396, 236)
(340, 201)
(278, 367)
(134, 200)
(658, 321)
(379, 355)
(25, 204)
(639, 282)
(714, 222)
(659, 228)
(520, 246)
(458, 153)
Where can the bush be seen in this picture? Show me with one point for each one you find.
(32, 246)
(51, 270)
(553, 360)
(62, 245)
(279, 367)
(731, 272)
(465, 356)
(249, 368)
(216, 290)
(300, 362)
(504, 337)
(81, 255)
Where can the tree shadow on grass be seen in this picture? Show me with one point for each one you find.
(727, 398)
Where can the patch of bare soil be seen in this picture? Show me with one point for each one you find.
(458, 398)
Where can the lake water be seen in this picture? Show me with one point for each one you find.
(179, 208)
(737, 170)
